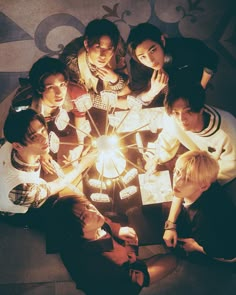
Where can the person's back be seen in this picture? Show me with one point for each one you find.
(211, 221)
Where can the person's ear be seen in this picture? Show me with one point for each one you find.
(205, 187)
(86, 45)
(17, 146)
(163, 39)
(201, 111)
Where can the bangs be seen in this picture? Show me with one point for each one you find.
(198, 167)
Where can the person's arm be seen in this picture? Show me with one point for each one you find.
(190, 245)
(204, 55)
(164, 148)
(60, 183)
(157, 83)
(206, 76)
(170, 235)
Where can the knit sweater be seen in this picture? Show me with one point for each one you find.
(218, 138)
(10, 178)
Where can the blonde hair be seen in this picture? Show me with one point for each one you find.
(198, 166)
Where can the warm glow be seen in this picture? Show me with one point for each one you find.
(110, 162)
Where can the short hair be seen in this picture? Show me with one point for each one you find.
(42, 69)
(192, 93)
(101, 27)
(141, 33)
(199, 167)
(17, 125)
(68, 209)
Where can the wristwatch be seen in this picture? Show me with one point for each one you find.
(170, 225)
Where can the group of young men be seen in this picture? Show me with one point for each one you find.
(164, 71)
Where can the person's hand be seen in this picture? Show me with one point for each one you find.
(170, 237)
(107, 74)
(74, 155)
(159, 80)
(190, 245)
(46, 164)
(151, 163)
(137, 276)
(131, 253)
(128, 234)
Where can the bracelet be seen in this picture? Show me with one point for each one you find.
(170, 225)
(118, 85)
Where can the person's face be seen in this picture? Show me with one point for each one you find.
(150, 54)
(55, 90)
(185, 118)
(92, 220)
(100, 53)
(183, 188)
(38, 142)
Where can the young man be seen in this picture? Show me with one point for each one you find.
(197, 127)
(48, 92)
(207, 220)
(97, 61)
(188, 121)
(21, 186)
(86, 239)
(158, 61)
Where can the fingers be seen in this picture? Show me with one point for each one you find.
(160, 77)
(47, 167)
(154, 75)
(137, 276)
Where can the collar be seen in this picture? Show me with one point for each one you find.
(20, 165)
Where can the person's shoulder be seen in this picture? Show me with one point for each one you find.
(72, 47)
(176, 43)
(23, 96)
(226, 118)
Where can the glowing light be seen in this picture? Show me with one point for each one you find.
(111, 163)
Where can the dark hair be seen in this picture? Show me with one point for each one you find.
(17, 125)
(192, 93)
(141, 33)
(67, 211)
(42, 69)
(101, 27)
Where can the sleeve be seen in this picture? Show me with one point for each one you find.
(74, 91)
(29, 194)
(216, 235)
(114, 226)
(227, 157)
(203, 54)
(167, 144)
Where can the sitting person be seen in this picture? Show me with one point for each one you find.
(97, 61)
(197, 127)
(99, 254)
(22, 189)
(157, 61)
(188, 121)
(207, 220)
(47, 92)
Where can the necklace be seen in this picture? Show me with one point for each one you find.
(92, 67)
